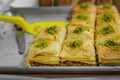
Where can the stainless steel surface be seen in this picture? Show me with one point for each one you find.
(4, 5)
(20, 41)
(44, 13)
(9, 55)
(15, 77)
(15, 63)
(65, 70)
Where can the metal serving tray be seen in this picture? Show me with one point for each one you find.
(13, 62)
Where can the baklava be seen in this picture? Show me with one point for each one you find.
(108, 36)
(78, 48)
(84, 14)
(46, 46)
(78, 52)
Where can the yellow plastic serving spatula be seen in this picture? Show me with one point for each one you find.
(19, 21)
(30, 28)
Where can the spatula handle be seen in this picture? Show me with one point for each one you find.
(19, 21)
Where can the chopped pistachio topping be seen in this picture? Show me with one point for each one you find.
(84, 5)
(107, 30)
(75, 43)
(107, 17)
(79, 29)
(106, 6)
(112, 43)
(42, 44)
(82, 17)
(51, 30)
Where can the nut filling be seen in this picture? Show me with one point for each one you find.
(66, 63)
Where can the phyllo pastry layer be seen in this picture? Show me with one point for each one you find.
(107, 35)
(84, 14)
(80, 32)
(84, 8)
(78, 51)
(56, 33)
(78, 48)
(45, 52)
(107, 14)
(46, 46)
(108, 50)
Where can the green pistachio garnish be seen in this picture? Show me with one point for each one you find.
(51, 30)
(106, 6)
(107, 17)
(75, 43)
(107, 30)
(79, 29)
(82, 17)
(112, 43)
(84, 6)
(42, 44)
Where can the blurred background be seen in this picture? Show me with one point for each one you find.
(41, 3)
